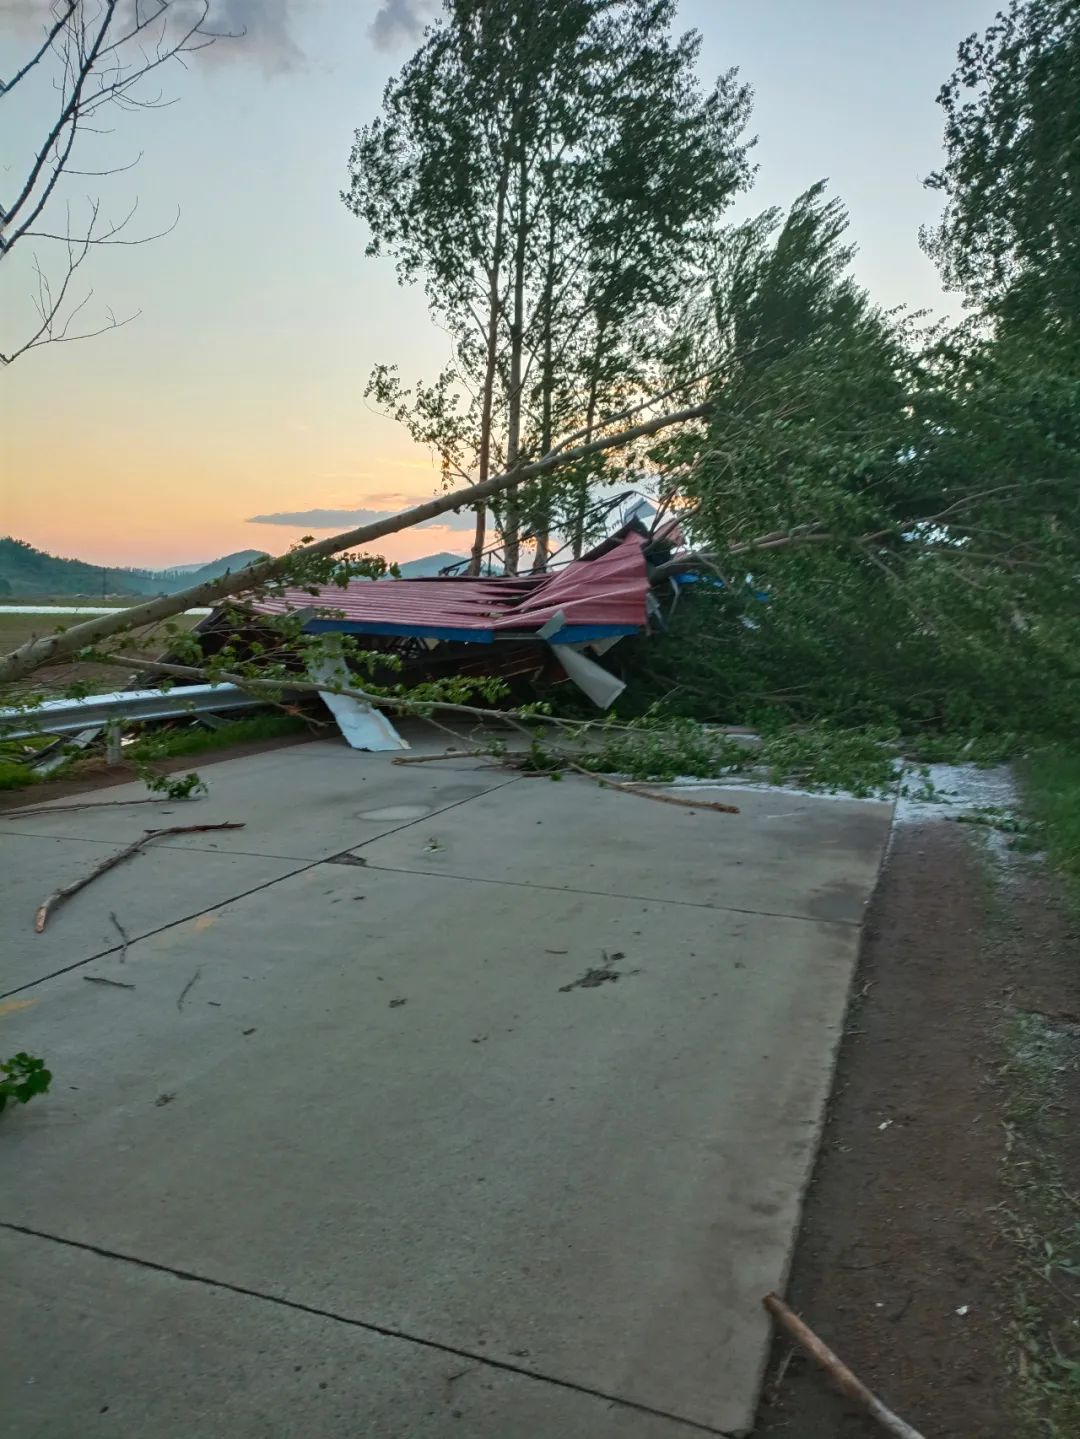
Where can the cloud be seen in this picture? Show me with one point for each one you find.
(350, 519)
(263, 29)
(401, 22)
(395, 499)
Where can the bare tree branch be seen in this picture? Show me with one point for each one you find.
(101, 53)
(55, 327)
(63, 14)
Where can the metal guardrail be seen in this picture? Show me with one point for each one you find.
(69, 716)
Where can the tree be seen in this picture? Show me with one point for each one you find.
(809, 388)
(96, 55)
(892, 515)
(1009, 238)
(546, 170)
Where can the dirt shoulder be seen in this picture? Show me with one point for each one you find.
(905, 1264)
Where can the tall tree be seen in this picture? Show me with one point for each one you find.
(546, 171)
(810, 383)
(893, 515)
(1010, 234)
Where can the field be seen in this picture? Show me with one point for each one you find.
(97, 602)
(16, 629)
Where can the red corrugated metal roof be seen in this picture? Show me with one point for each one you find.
(608, 591)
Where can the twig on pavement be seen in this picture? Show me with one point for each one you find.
(187, 990)
(59, 896)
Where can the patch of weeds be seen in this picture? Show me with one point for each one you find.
(1051, 780)
(23, 1076)
(196, 739)
(14, 775)
(999, 820)
(982, 750)
(921, 787)
(1043, 1223)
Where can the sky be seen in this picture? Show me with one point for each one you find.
(236, 390)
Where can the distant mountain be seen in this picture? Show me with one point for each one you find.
(427, 566)
(185, 575)
(27, 573)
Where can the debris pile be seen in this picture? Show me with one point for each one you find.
(534, 632)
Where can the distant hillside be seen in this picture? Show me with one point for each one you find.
(427, 565)
(185, 575)
(26, 572)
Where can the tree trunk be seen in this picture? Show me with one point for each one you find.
(512, 517)
(476, 557)
(547, 387)
(577, 529)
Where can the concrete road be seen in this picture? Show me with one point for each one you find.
(444, 1102)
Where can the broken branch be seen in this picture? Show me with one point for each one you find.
(635, 787)
(850, 1386)
(87, 804)
(59, 896)
(450, 754)
(627, 786)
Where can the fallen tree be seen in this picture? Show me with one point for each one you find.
(52, 648)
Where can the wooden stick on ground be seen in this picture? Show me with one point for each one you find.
(635, 787)
(450, 754)
(57, 898)
(627, 786)
(851, 1387)
(88, 804)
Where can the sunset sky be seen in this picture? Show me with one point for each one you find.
(238, 389)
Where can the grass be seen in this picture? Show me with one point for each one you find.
(192, 739)
(1051, 779)
(195, 739)
(1043, 1222)
(14, 775)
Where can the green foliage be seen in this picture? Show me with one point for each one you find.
(1051, 781)
(830, 642)
(811, 428)
(1010, 234)
(655, 747)
(24, 1075)
(660, 747)
(187, 786)
(893, 517)
(14, 775)
(550, 172)
(859, 762)
(170, 744)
